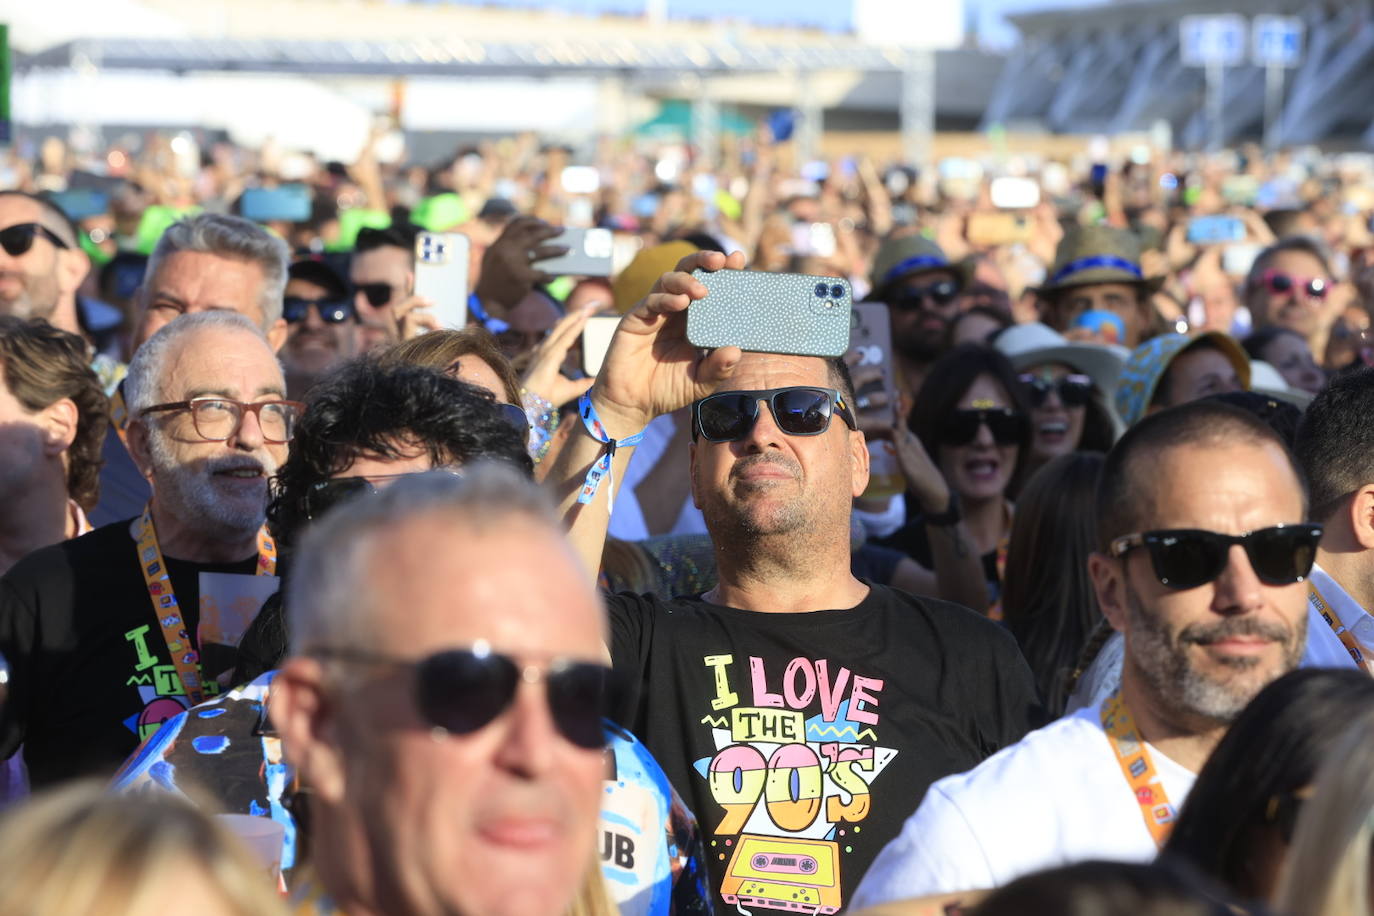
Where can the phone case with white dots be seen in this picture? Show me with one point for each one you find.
(771, 313)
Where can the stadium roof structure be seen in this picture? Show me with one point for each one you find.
(466, 57)
(1116, 68)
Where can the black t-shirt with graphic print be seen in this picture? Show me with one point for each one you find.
(90, 674)
(802, 741)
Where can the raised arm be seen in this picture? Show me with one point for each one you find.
(650, 369)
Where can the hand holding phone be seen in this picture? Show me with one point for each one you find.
(441, 276)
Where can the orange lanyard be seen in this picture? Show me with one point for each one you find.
(1134, 757)
(119, 415)
(168, 613)
(1347, 638)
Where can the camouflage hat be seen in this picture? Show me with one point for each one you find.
(1148, 362)
(1097, 254)
(908, 255)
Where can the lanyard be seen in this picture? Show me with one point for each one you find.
(119, 415)
(1134, 757)
(168, 613)
(1347, 638)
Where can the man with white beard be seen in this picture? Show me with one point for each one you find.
(113, 633)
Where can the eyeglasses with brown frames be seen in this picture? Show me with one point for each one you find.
(216, 419)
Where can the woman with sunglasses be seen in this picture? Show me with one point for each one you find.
(1290, 285)
(972, 420)
(1237, 824)
(1066, 385)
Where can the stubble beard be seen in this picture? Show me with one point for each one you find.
(1164, 663)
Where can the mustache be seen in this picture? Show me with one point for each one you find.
(239, 463)
(1206, 634)
(749, 462)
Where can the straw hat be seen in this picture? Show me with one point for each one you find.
(1097, 254)
(905, 256)
(1149, 361)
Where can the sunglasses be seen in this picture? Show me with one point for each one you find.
(911, 298)
(1008, 427)
(1185, 558)
(515, 415)
(377, 294)
(1278, 283)
(1074, 390)
(332, 311)
(323, 495)
(18, 239)
(798, 411)
(463, 690)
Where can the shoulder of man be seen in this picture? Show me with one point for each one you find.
(967, 831)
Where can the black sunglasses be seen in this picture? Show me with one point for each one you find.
(323, 495)
(1185, 558)
(1074, 390)
(332, 311)
(798, 411)
(463, 690)
(18, 239)
(1008, 427)
(377, 294)
(911, 298)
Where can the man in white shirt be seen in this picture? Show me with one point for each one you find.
(1335, 447)
(1202, 562)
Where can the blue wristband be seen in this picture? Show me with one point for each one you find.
(604, 465)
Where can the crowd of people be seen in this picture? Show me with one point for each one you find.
(1049, 595)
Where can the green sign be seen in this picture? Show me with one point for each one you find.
(4, 83)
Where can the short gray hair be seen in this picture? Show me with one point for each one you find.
(229, 237)
(328, 595)
(143, 385)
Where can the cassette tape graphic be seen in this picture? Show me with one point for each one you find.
(782, 873)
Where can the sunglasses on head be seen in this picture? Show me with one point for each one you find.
(18, 239)
(463, 690)
(798, 411)
(377, 294)
(332, 311)
(1185, 558)
(1008, 427)
(1278, 283)
(1074, 390)
(911, 298)
(323, 495)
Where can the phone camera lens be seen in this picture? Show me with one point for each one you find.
(837, 291)
(821, 290)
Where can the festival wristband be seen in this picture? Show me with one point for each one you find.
(604, 465)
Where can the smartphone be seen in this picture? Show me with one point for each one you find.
(870, 334)
(771, 313)
(441, 275)
(1014, 193)
(1108, 326)
(580, 179)
(596, 340)
(1210, 230)
(998, 229)
(590, 252)
(287, 204)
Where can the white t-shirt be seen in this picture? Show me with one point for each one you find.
(1324, 647)
(1056, 797)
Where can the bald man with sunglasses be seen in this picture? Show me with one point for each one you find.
(800, 710)
(41, 264)
(1202, 566)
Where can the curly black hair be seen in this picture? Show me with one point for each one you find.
(365, 407)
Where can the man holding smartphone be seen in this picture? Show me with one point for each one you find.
(801, 711)
(1096, 290)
